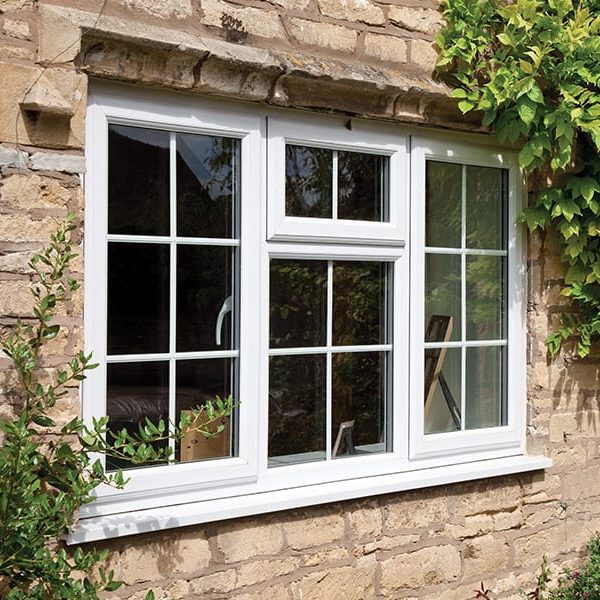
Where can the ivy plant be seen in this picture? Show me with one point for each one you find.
(532, 70)
(48, 471)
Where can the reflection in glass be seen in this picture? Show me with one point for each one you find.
(486, 297)
(138, 298)
(204, 285)
(206, 173)
(443, 205)
(442, 389)
(308, 182)
(359, 396)
(197, 382)
(298, 308)
(134, 392)
(359, 303)
(487, 196)
(442, 289)
(485, 387)
(296, 409)
(138, 181)
(362, 186)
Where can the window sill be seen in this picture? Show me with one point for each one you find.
(168, 517)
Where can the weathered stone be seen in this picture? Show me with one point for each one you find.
(218, 583)
(325, 35)
(277, 592)
(561, 426)
(32, 191)
(264, 570)
(484, 555)
(423, 55)
(390, 543)
(13, 5)
(429, 566)
(255, 21)
(352, 10)
(16, 299)
(582, 483)
(23, 228)
(59, 35)
(164, 9)
(424, 20)
(487, 496)
(178, 590)
(11, 157)
(239, 541)
(67, 163)
(17, 29)
(19, 53)
(313, 531)
(415, 510)
(292, 4)
(366, 520)
(322, 557)
(385, 47)
(16, 262)
(349, 583)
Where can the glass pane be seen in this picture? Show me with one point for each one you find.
(298, 303)
(138, 181)
(359, 400)
(485, 403)
(443, 205)
(296, 409)
(486, 310)
(135, 391)
(442, 389)
(487, 196)
(205, 306)
(359, 303)
(138, 298)
(362, 186)
(442, 296)
(206, 185)
(308, 177)
(197, 382)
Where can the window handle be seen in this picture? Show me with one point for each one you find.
(226, 307)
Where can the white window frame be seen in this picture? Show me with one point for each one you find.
(184, 494)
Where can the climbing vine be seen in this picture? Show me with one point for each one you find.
(532, 68)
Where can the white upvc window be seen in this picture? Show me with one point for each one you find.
(357, 288)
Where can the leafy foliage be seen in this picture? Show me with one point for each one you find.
(47, 472)
(532, 67)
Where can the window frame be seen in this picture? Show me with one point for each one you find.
(164, 497)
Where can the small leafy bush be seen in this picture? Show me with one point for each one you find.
(47, 472)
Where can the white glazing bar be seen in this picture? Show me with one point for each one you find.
(172, 282)
(332, 349)
(334, 185)
(463, 298)
(163, 239)
(329, 368)
(468, 251)
(467, 344)
(121, 358)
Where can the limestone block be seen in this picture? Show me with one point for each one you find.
(17, 29)
(66, 163)
(343, 583)
(292, 4)
(390, 543)
(562, 425)
(59, 35)
(530, 548)
(32, 191)
(192, 552)
(10, 5)
(11, 157)
(326, 35)
(324, 556)
(179, 590)
(424, 20)
(264, 570)
(366, 520)
(582, 483)
(24, 228)
(18, 53)
(16, 299)
(386, 47)
(352, 10)
(423, 55)
(429, 566)
(277, 592)
(42, 130)
(416, 509)
(487, 496)
(164, 9)
(16, 262)
(255, 21)
(485, 555)
(218, 583)
(240, 541)
(307, 531)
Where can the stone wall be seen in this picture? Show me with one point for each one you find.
(361, 57)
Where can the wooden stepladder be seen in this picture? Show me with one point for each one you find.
(439, 329)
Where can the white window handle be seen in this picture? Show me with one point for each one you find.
(226, 307)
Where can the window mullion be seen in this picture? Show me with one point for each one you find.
(329, 361)
(334, 186)
(172, 282)
(463, 295)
